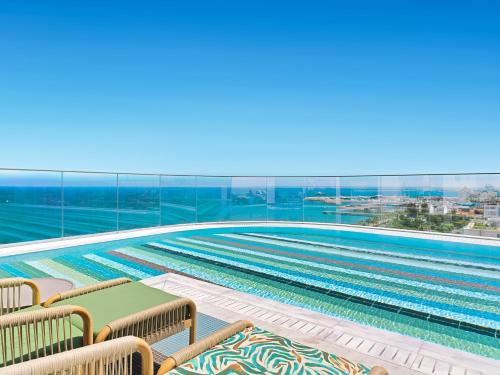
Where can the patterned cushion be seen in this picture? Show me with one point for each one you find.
(256, 351)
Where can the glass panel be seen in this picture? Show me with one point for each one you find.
(178, 199)
(213, 198)
(138, 201)
(30, 206)
(90, 204)
(248, 199)
(405, 203)
(471, 205)
(487, 196)
(285, 198)
(450, 191)
(360, 203)
(322, 198)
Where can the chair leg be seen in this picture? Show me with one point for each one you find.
(192, 332)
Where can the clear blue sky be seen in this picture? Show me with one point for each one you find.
(254, 87)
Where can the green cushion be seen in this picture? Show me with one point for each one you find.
(119, 301)
(29, 308)
(57, 342)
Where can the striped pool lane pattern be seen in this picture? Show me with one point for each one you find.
(451, 299)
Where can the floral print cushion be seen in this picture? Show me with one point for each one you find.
(256, 351)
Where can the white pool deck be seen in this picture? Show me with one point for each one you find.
(400, 354)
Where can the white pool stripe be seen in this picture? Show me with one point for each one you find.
(122, 267)
(349, 291)
(54, 273)
(291, 241)
(467, 293)
(380, 258)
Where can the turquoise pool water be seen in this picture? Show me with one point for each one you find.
(444, 292)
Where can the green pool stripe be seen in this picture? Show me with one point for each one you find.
(91, 268)
(31, 271)
(133, 272)
(71, 272)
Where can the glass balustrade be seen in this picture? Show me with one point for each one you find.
(39, 205)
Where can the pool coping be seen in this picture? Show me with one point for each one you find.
(63, 242)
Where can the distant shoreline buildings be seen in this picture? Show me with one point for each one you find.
(477, 209)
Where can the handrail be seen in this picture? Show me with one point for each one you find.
(244, 175)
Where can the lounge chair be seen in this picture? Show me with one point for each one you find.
(11, 290)
(112, 357)
(33, 334)
(121, 307)
(243, 348)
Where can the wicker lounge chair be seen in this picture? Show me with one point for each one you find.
(246, 349)
(33, 334)
(11, 290)
(121, 307)
(112, 357)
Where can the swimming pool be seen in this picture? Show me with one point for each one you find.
(444, 292)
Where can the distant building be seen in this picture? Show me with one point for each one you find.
(491, 211)
(488, 196)
(438, 208)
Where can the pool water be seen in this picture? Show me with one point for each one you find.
(444, 292)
